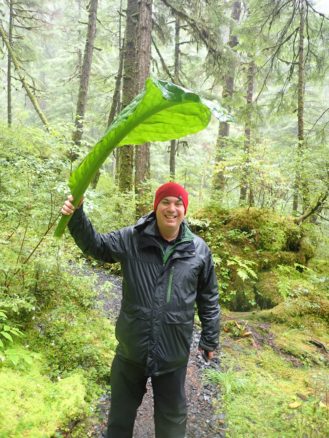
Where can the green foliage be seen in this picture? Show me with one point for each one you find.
(246, 244)
(34, 406)
(295, 281)
(7, 331)
(264, 395)
(72, 339)
(114, 210)
(43, 297)
(243, 267)
(163, 111)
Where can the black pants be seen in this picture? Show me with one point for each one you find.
(128, 386)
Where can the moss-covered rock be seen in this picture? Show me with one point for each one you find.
(267, 292)
(293, 309)
(247, 242)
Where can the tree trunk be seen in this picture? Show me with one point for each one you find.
(10, 40)
(173, 143)
(142, 164)
(129, 91)
(116, 101)
(85, 74)
(24, 83)
(245, 176)
(228, 89)
(299, 180)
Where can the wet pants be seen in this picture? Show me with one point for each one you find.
(128, 386)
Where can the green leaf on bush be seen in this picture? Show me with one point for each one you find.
(163, 111)
(7, 336)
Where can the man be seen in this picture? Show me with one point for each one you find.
(166, 270)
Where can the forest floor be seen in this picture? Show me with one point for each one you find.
(204, 420)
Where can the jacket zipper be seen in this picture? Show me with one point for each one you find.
(169, 252)
(169, 288)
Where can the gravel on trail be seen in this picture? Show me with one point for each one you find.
(204, 421)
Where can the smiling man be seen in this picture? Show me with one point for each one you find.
(166, 271)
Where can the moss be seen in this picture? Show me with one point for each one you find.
(264, 394)
(299, 342)
(271, 232)
(246, 242)
(73, 340)
(307, 249)
(299, 311)
(269, 260)
(267, 291)
(34, 406)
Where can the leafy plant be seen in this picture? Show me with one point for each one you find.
(243, 268)
(163, 111)
(7, 331)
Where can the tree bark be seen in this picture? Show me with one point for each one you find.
(245, 176)
(116, 101)
(85, 74)
(25, 84)
(299, 183)
(142, 153)
(228, 89)
(10, 40)
(173, 143)
(129, 91)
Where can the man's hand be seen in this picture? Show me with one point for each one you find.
(68, 208)
(207, 355)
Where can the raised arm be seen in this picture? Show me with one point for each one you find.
(107, 247)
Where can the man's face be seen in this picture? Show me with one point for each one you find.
(170, 214)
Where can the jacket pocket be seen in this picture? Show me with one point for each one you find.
(132, 330)
(179, 317)
(175, 340)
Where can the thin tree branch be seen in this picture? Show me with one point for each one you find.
(163, 63)
(312, 210)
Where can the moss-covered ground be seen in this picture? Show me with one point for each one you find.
(274, 379)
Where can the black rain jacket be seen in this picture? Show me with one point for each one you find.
(160, 289)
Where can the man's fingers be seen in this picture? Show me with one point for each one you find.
(68, 208)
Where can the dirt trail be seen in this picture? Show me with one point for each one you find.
(202, 420)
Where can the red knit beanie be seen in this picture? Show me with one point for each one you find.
(171, 189)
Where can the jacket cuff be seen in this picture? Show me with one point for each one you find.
(206, 347)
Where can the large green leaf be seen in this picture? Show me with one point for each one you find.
(163, 111)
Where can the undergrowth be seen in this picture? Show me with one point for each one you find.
(56, 346)
(266, 396)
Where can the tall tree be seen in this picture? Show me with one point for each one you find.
(174, 143)
(227, 93)
(24, 82)
(294, 32)
(142, 153)
(9, 62)
(116, 99)
(137, 53)
(85, 73)
(300, 117)
(129, 91)
(245, 183)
